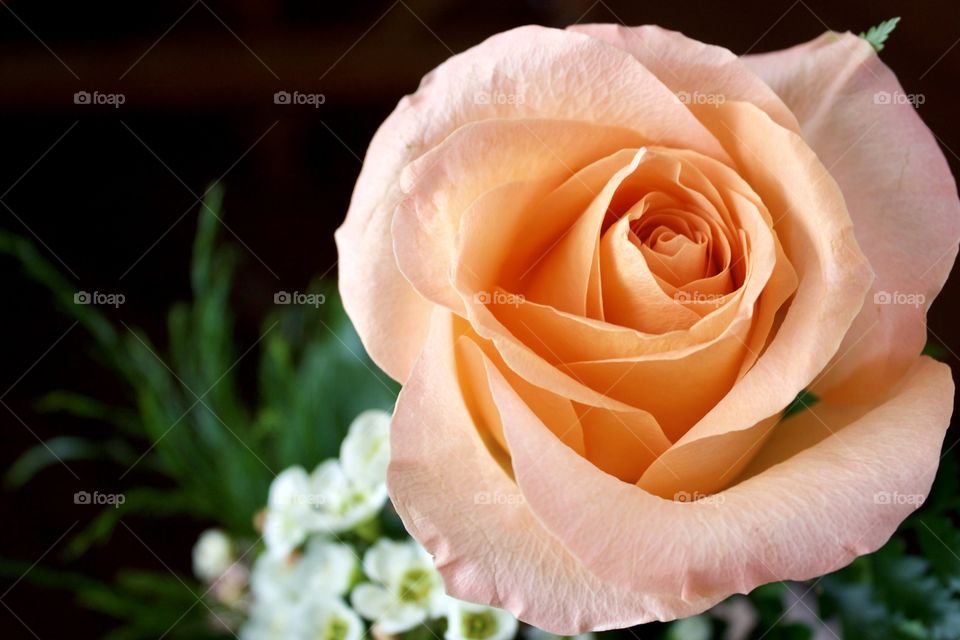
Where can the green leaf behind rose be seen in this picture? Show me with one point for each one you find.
(878, 35)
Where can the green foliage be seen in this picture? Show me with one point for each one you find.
(66, 449)
(878, 35)
(934, 350)
(190, 428)
(897, 594)
(770, 603)
(891, 595)
(148, 605)
(804, 400)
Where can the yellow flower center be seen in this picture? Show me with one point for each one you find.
(478, 625)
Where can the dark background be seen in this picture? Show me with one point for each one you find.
(110, 193)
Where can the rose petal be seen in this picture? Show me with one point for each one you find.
(800, 431)
(466, 511)
(621, 443)
(533, 367)
(564, 276)
(792, 522)
(654, 383)
(691, 68)
(478, 157)
(816, 232)
(554, 410)
(897, 186)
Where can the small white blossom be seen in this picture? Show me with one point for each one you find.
(297, 597)
(270, 621)
(406, 588)
(532, 633)
(212, 555)
(324, 568)
(365, 452)
(466, 621)
(274, 580)
(342, 504)
(325, 501)
(319, 617)
(287, 521)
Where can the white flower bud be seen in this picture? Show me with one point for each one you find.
(212, 555)
(365, 452)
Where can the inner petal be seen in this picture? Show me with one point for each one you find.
(678, 259)
(633, 295)
(675, 255)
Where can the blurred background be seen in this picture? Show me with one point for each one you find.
(116, 116)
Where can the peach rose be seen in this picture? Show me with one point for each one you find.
(603, 261)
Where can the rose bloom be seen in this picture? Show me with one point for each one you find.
(604, 261)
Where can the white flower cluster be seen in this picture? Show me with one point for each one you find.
(299, 588)
(405, 591)
(301, 597)
(338, 495)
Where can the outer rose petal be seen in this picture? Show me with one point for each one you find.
(389, 315)
(803, 518)
(466, 511)
(689, 67)
(402, 311)
(896, 184)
